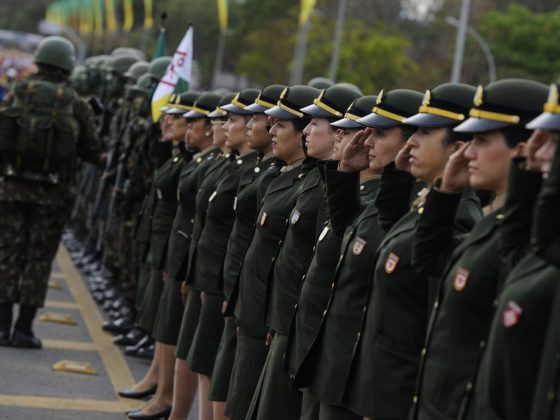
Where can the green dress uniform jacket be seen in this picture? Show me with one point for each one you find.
(252, 185)
(165, 183)
(507, 377)
(320, 276)
(214, 174)
(329, 362)
(383, 375)
(248, 296)
(212, 244)
(190, 179)
(467, 300)
(305, 223)
(546, 242)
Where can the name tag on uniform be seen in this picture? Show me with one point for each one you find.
(235, 203)
(323, 233)
(461, 279)
(214, 194)
(159, 194)
(511, 314)
(359, 245)
(263, 219)
(295, 216)
(391, 263)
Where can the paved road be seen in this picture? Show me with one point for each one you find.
(30, 389)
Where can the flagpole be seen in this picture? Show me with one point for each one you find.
(333, 67)
(300, 51)
(460, 42)
(218, 62)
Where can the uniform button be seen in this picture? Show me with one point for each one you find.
(332, 285)
(436, 305)
(424, 351)
(482, 344)
(295, 306)
(273, 259)
(324, 313)
(314, 247)
(192, 220)
(364, 308)
(469, 386)
(415, 399)
(280, 242)
(303, 277)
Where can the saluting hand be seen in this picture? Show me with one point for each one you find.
(402, 161)
(535, 142)
(456, 172)
(355, 155)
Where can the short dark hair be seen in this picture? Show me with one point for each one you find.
(300, 123)
(515, 134)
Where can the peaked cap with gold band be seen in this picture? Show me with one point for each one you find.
(331, 103)
(550, 118)
(392, 108)
(507, 102)
(168, 105)
(292, 99)
(444, 106)
(268, 97)
(218, 111)
(241, 101)
(203, 106)
(182, 103)
(358, 109)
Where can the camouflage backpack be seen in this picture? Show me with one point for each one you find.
(38, 131)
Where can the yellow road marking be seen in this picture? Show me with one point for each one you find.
(117, 369)
(68, 404)
(61, 305)
(69, 345)
(58, 275)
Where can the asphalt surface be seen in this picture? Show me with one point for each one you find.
(31, 389)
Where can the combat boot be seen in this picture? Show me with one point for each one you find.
(23, 336)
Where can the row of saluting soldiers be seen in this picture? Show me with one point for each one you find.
(311, 253)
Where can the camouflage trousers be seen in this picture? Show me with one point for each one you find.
(29, 238)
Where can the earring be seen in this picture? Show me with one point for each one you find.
(208, 133)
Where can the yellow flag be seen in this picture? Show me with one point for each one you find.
(305, 10)
(98, 17)
(110, 16)
(223, 15)
(148, 11)
(128, 21)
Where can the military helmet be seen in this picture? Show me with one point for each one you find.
(145, 84)
(292, 99)
(505, 103)
(268, 98)
(444, 106)
(358, 109)
(129, 51)
(158, 66)
(182, 102)
(218, 111)
(221, 91)
(392, 108)
(320, 83)
(121, 63)
(136, 70)
(204, 105)
(241, 101)
(350, 86)
(57, 52)
(331, 102)
(550, 118)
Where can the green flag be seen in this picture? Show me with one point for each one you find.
(160, 46)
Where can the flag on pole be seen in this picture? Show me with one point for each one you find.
(98, 15)
(160, 44)
(177, 77)
(305, 11)
(128, 13)
(111, 19)
(223, 15)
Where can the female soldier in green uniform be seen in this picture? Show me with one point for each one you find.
(252, 185)
(274, 397)
(381, 379)
(473, 276)
(165, 183)
(206, 256)
(248, 296)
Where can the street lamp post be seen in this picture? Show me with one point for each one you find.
(483, 46)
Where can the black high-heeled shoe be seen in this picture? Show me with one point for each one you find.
(138, 395)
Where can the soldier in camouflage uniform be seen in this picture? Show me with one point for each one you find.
(36, 192)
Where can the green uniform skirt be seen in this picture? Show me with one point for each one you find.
(206, 340)
(143, 279)
(224, 362)
(188, 324)
(275, 398)
(150, 301)
(168, 322)
(250, 355)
